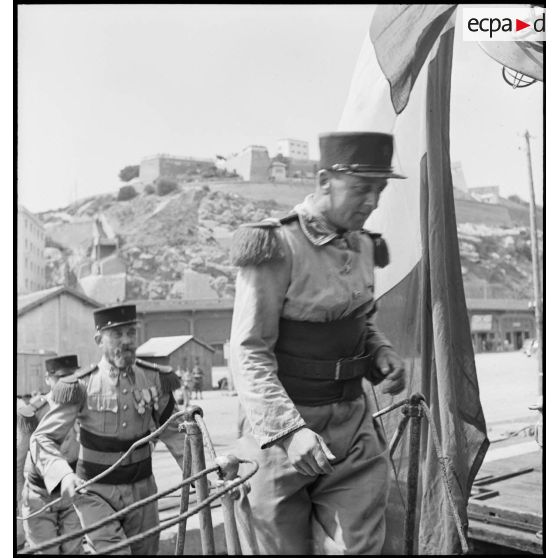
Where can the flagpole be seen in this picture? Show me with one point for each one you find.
(536, 268)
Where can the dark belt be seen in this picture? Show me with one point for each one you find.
(340, 369)
(314, 393)
(123, 474)
(322, 362)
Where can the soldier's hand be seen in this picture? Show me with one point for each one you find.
(392, 367)
(308, 453)
(69, 485)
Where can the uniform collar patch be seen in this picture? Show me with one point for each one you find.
(318, 231)
(113, 373)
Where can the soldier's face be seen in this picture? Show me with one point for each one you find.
(119, 345)
(352, 199)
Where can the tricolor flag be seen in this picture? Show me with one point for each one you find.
(401, 85)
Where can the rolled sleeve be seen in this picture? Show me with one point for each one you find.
(260, 294)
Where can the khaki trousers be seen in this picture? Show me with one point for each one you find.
(60, 519)
(339, 513)
(101, 500)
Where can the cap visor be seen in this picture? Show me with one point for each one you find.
(61, 372)
(118, 324)
(378, 174)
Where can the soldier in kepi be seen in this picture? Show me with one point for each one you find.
(114, 403)
(303, 338)
(60, 518)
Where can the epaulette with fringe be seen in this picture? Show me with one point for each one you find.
(256, 243)
(381, 251)
(26, 416)
(169, 380)
(69, 389)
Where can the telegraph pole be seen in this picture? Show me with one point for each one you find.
(536, 267)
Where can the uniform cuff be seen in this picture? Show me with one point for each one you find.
(55, 473)
(268, 442)
(385, 343)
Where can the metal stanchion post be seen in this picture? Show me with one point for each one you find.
(202, 489)
(185, 494)
(398, 435)
(246, 522)
(228, 470)
(414, 412)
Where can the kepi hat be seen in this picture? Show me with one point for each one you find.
(114, 316)
(62, 365)
(361, 153)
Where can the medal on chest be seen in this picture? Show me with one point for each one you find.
(140, 403)
(155, 395)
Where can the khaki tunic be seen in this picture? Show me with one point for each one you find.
(115, 408)
(323, 277)
(61, 518)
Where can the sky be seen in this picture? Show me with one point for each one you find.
(102, 86)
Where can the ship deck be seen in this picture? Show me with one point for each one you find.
(505, 508)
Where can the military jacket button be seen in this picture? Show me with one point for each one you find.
(124, 407)
(356, 294)
(124, 424)
(124, 391)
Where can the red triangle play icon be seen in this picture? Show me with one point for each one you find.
(519, 25)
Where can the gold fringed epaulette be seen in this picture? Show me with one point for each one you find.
(26, 415)
(69, 390)
(256, 243)
(169, 380)
(381, 251)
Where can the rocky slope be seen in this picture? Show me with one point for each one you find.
(164, 240)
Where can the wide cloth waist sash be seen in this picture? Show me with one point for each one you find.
(98, 453)
(322, 362)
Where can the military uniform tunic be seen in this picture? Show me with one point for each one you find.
(320, 277)
(114, 408)
(60, 518)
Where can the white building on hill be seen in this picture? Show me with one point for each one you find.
(294, 149)
(31, 267)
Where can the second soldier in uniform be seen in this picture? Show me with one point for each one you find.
(60, 518)
(115, 403)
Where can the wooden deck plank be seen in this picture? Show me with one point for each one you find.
(504, 536)
(514, 516)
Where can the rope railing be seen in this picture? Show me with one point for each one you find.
(227, 470)
(117, 515)
(199, 507)
(102, 475)
(230, 485)
(414, 408)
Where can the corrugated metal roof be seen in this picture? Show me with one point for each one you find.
(164, 346)
(28, 301)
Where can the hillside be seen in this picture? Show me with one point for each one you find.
(176, 246)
